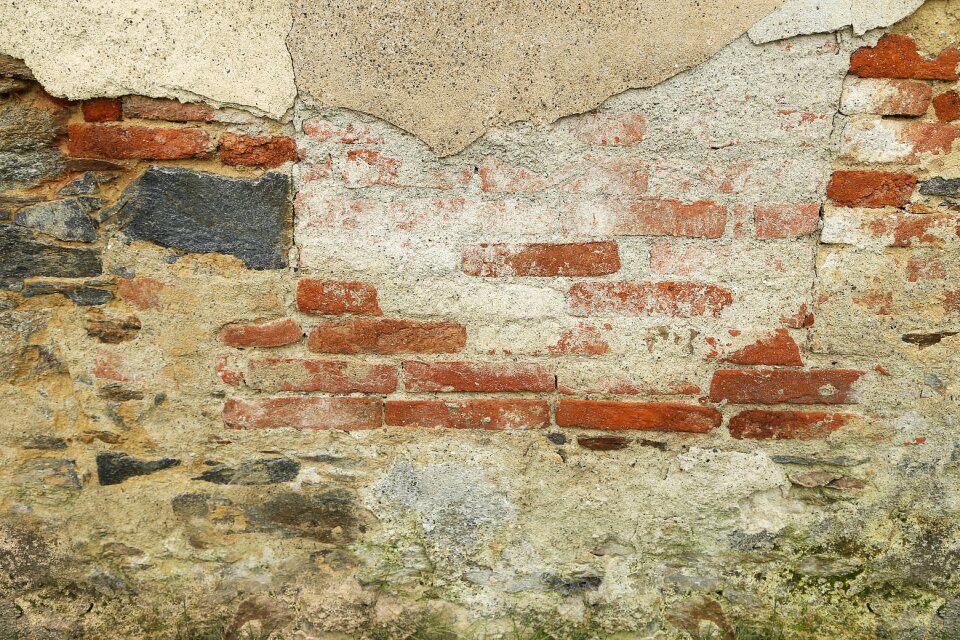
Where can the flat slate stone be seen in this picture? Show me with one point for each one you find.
(80, 295)
(86, 184)
(940, 187)
(264, 471)
(114, 467)
(63, 219)
(23, 255)
(200, 212)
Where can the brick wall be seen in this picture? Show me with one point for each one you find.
(758, 257)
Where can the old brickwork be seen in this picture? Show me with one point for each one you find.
(680, 366)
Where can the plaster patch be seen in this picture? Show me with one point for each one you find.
(225, 51)
(448, 71)
(801, 17)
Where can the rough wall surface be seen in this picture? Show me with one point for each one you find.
(682, 366)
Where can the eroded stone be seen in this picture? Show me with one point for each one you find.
(24, 255)
(114, 467)
(63, 219)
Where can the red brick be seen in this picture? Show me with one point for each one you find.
(800, 320)
(925, 269)
(267, 334)
(226, 373)
(776, 386)
(145, 143)
(793, 425)
(469, 414)
(582, 340)
(778, 349)
(677, 299)
(332, 298)
(896, 56)
(607, 128)
(477, 377)
(303, 413)
(643, 416)
(905, 230)
(773, 221)
(102, 110)
(947, 106)
(871, 189)
(143, 293)
(326, 131)
(328, 376)
(387, 337)
(161, 109)
(542, 259)
(257, 151)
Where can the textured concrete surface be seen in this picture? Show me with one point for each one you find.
(799, 17)
(224, 51)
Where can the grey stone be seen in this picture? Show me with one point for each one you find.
(114, 467)
(23, 255)
(63, 219)
(17, 202)
(206, 213)
(28, 153)
(940, 187)
(14, 68)
(12, 85)
(86, 184)
(80, 295)
(264, 471)
(46, 443)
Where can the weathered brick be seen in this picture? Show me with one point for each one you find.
(143, 293)
(893, 141)
(925, 269)
(497, 176)
(469, 414)
(677, 299)
(778, 349)
(257, 151)
(606, 128)
(328, 376)
(779, 386)
(329, 297)
(774, 221)
(618, 175)
(793, 425)
(542, 259)
(227, 373)
(871, 189)
(135, 142)
(366, 168)
(947, 106)
(303, 413)
(885, 97)
(886, 228)
(102, 110)
(162, 109)
(477, 377)
(266, 334)
(326, 131)
(582, 340)
(387, 337)
(951, 301)
(702, 219)
(896, 56)
(643, 416)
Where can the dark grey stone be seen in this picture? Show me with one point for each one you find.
(63, 219)
(46, 443)
(114, 467)
(86, 184)
(940, 187)
(263, 471)
(78, 294)
(200, 212)
(28, 152)
(23, 255)
(841, 461)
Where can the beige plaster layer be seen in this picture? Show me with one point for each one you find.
(448, 71)
(800, 17)
(225, 51)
